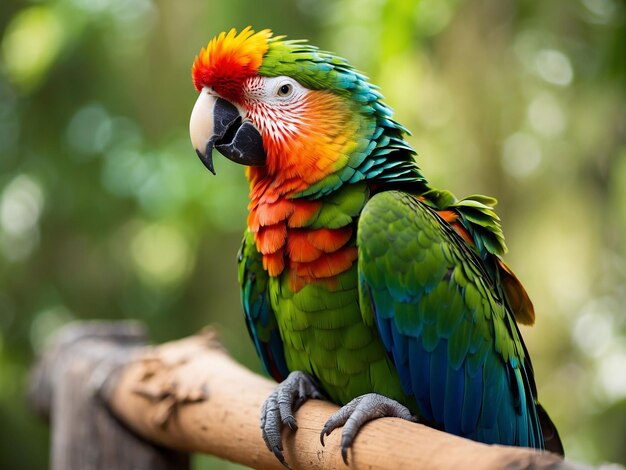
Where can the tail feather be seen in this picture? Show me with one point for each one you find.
(552, 440)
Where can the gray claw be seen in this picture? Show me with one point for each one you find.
(359, 411)
(277, 411)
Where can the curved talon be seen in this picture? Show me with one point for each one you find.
(291, 422)
(279, 455)
(277, 410)
(344, 454)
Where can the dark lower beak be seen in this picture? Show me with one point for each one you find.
(234, 138)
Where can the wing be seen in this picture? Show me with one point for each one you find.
(475, 221)
(441, 318)
(259, 316)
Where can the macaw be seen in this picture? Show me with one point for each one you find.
(360, 282)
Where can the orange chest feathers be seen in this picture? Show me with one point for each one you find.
(289, 245)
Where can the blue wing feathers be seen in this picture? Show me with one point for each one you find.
(258, 314)
(384, 329)
(472, 400)
(438, 366)
(400, 355)
(495, 383)
(419, 372)
(455, 390)
(400, 346)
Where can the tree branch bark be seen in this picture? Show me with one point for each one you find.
(189, 395)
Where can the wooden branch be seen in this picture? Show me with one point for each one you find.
(64, 388)
(191, 396)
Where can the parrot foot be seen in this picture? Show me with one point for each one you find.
(279, 407)
(358, 412)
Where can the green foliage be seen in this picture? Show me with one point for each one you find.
(106, 212)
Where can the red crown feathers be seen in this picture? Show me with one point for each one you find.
(228, 60)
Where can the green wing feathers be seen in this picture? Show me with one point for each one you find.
(444, 321)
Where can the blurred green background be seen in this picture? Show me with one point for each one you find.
(106, 212)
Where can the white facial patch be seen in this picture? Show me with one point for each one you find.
(276, 105)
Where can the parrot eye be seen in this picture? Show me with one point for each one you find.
(285, 89)
(279, 90)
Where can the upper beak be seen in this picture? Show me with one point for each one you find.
(217, 123)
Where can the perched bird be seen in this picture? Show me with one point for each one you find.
(360, 282)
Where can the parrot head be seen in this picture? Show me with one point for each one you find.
(283, 108)
(221, 73)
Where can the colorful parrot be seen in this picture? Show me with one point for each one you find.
(360, 282)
